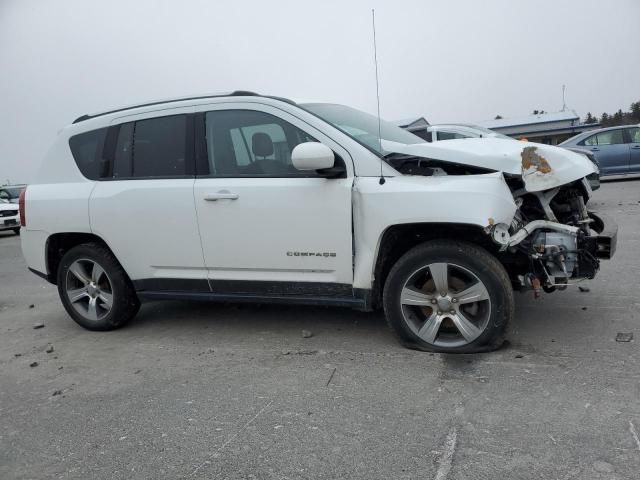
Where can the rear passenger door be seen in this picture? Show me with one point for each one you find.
(633, 139)
(610, 150)
(143, 205)
(266, 227)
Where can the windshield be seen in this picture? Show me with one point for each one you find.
(361, 126)
(11, 192)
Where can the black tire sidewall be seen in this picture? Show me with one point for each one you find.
(477, 260)
(125, 302)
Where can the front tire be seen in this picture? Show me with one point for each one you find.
(16, 231)
(450, 297)
(94, 288)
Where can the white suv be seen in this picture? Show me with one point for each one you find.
(9, 216)
(271, 201)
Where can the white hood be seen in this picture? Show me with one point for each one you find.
(542, 167)
(8, 206)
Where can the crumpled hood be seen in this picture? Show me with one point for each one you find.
(541, 166)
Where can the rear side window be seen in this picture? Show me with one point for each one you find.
(634, 135)
(122, 161)
(444, 135)
(86, 149)
(156, 147)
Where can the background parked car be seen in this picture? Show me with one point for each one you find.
(11, 192)
(9, 218)
(594, 178)
(616, 149)
(452, 131)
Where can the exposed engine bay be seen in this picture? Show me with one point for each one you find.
(558, 235)
(553, 240)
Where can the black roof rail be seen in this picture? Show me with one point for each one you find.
(236, 93)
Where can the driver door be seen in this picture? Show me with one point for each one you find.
(266, 227)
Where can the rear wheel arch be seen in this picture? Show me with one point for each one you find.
(58, 244)
(398, 239)
(94, 289)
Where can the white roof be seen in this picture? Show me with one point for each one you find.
(567, 115)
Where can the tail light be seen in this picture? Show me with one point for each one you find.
(23, 215)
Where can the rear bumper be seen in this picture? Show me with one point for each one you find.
(34, 247)
(606, 241)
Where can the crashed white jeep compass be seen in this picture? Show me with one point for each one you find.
(242, 197)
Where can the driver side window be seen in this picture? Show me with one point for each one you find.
(246, 143)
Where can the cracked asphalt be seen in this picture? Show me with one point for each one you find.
(201, 391)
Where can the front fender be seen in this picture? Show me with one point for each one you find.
(477, 200)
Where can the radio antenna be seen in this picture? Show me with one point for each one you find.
(375, 61)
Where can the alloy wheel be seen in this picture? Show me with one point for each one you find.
(89, 289)
(445, 305)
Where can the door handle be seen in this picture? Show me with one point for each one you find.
(221, 195)
(595, 149)
(636, 147)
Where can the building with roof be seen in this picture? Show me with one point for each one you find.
(412, 124)
(549, 127)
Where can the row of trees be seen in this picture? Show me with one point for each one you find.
(619, 118)
(607, 119)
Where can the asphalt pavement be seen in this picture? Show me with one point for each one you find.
(193, 390)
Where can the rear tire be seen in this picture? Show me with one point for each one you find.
(94, 288)
(472, 315)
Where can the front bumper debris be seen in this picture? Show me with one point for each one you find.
(603, 244)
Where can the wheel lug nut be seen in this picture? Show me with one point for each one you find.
(454, 300)
(443, 294)
(452, 312)
(439, 312)
(434, 301)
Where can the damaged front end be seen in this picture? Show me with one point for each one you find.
(553, 240)
(561, 239)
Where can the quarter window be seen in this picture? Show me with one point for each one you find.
(245, 143)
(86, 149)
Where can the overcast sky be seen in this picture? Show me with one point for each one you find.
(447, 60)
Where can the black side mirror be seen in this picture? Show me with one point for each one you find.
(339, 169)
